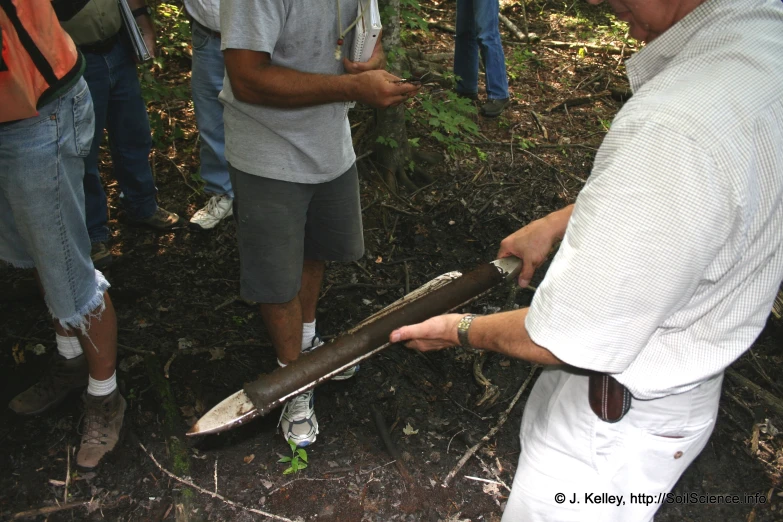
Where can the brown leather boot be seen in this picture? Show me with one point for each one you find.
(102, 427)
(60, 378)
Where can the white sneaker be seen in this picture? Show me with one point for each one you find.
(347, 374)
(298, 421)
(218, 208)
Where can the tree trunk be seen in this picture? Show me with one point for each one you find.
(392, 152)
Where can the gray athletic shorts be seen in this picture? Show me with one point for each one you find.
(280, 224)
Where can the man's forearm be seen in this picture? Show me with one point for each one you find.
(276, 86)
(506, 333)
(143, 21)
(559, 220)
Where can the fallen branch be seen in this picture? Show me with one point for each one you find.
(610, 49)
(501, 421)
(772, 401)
(210, 493)
(582, 100)
(443, 27)
(48, 510)
(520, 35)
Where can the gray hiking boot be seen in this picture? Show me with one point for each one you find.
(494, 108)
(60, 378)
(102, 427)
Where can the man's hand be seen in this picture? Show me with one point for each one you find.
(533, 242)
(380, 89)
(376, 61)
(433, 334)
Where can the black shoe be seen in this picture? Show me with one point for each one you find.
(493, 108)
(469, 95)
(100, 255)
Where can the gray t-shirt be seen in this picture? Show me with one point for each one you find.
(304, 145)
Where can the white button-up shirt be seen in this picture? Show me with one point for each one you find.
(674, 252)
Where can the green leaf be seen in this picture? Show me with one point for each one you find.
(302, 454)
(288, 471)
(285, 459)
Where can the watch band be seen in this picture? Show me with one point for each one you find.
(141, 11)
(462, 330)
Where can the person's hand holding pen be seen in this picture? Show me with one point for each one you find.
(381, 89)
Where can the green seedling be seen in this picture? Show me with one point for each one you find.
(297, 460)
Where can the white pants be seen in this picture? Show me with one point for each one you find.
(604, 472)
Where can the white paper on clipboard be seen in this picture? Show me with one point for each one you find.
(367, 31)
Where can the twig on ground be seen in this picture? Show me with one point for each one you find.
(487, 469)
(303, 478)
(377, 467)
(67, 471)
(401, 211)
(452, 438)
(772, 401)
(179, 169)
(582, 100)
(210, 493)
(501, 421)
(227, 302)
(610, 49)
(367, 272)
(48, 510)
(168, 364)
(216, 459)
(488, 481)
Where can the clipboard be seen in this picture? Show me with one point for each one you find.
(134, 33)
(367, 31)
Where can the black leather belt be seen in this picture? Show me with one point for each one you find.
(101, 47)
(204, 28)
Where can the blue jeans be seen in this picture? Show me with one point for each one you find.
(121, 111)
(206, 83)
(478, 33)
(42, 203)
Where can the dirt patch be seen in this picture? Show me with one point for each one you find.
(175, 296)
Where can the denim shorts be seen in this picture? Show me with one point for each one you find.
(280, 224)
(42, 203)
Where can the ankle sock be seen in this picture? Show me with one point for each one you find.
(308, 332)
(98, 388)
(68, 347)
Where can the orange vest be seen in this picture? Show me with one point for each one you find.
(38, 56)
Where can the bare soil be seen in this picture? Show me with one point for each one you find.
(187, 341)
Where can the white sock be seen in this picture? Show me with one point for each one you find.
(68, 347)
(98, 388)
(282, 365)
(308, 332)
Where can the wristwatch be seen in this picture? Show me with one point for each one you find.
(462, 330)
(141, 11)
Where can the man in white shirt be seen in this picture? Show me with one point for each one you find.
(206, 83)
(669, 263)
